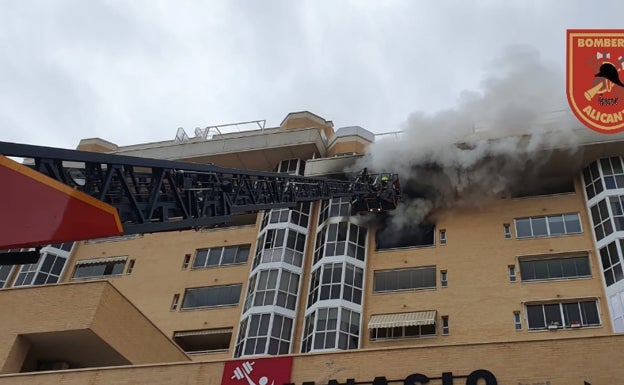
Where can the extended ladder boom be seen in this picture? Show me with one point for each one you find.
(153, 195)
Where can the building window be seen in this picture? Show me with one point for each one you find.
(221, 256)
(612, 263)
(617, 311)
(562, 315)
(507, 230)
(352, 289)
(273, 287)
(48, 270)
(601, 220)
(67, 246)
(613, 172)
(512, 273)
(299, 216)
(130, 266)
(203, 341)
(443, 278)
(617, 209)
(404, 279)
(445, 325)
(327, 283)
(593, 183)
(338, 239)
(403, 325)
(291, 166)
(5, 273)
(264, 334)
(548, 225)
(517, 321)
(555, 268)
(336, 207)
(186, 261)
(174, 302)
(403, 332)
(211, 296)
(331, 328)
(280, 245)
(443, 237)
(102, 267)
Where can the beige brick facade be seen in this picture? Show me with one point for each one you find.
(130, 315)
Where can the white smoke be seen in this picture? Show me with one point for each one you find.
(478, 150)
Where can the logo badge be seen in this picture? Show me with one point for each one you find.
(259, 371)
(595, 78)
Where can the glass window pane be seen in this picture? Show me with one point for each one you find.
(555, 225)
(535, 316)
(590, 313)
(523, 227)
(59, 263)
(214, 256)
(539, 226)
(553, 314)
(200, 258)
(572, 313)
(572, 223)
(229, 255)
(527, 270)
(541, 269)
(554, 268)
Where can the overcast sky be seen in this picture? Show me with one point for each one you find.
(135, 71)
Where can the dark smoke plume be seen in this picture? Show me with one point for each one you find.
(489, 146)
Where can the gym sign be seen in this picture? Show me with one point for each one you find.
(277, 371)
(594, 78)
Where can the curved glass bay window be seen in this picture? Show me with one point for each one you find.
(332, 317)
(271, 301)
(604, 189)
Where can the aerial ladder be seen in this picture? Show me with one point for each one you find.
(58, 195)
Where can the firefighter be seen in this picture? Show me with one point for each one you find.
(365, 176)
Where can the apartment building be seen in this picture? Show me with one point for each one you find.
(520, 289)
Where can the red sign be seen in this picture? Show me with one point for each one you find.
(258, 371)
(595, 78)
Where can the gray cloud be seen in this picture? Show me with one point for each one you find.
(135, 71)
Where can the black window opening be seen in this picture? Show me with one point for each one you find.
(203, 341)
(555, 268)
(211, 296)
(409, 236)
(562, 315)
(99, 269)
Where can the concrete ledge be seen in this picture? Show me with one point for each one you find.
(84, 324)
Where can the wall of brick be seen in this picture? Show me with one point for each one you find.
(567, 361)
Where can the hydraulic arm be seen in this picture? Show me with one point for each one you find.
(152, 195)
